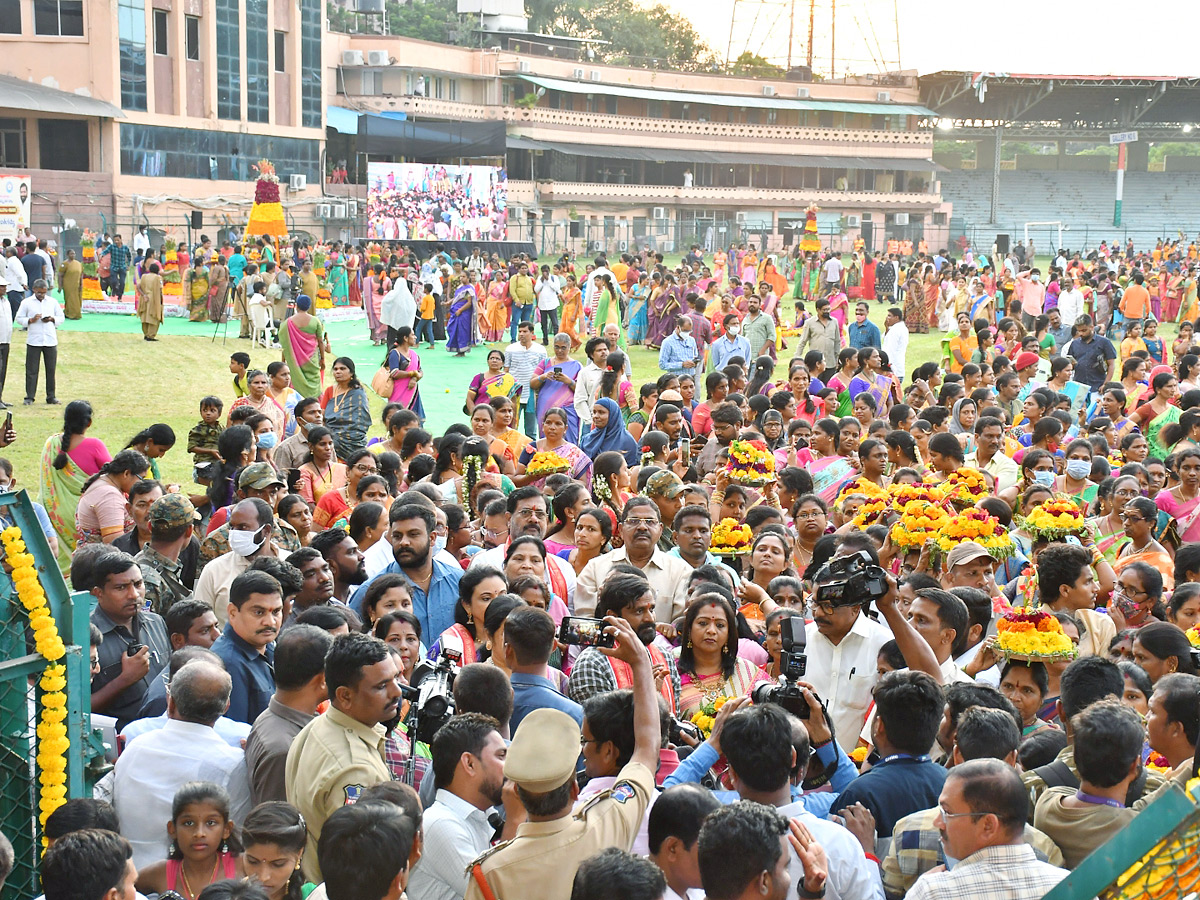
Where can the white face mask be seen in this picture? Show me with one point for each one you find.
(245, 543)
(439, 544)
(734, 330)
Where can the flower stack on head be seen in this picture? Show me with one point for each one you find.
(730, 539)
(750, 463)
(266, 215)
(1055, 519)
(903, 494)
(976, 525)
(706, 716)
(861, 485)
(920, 521)
(547, 462)
(1193, 636)
(52, 741)
(870, 512)
(1035, 635)
(964, 488)
(91, 278)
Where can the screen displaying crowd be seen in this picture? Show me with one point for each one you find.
(412, 201)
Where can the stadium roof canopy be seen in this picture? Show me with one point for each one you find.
(1073, 107)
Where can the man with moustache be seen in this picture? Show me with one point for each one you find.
(247, 646)
(346, 561)
(843, 645)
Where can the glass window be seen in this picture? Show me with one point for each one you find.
(10, 16)
(311, 14)
(229, 59)
(160, 33)
(281, 51)
(131, 25)
(258, 67)
(58, 17)
(12, 143)
(189, 153)
(64, 144)
(453, 89)
(192, 36)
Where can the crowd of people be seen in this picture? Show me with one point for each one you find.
(594, 638)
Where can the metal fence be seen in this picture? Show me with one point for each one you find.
(20, 707)
(1082, 236)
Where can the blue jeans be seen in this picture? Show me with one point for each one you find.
(529, 413)
(424, 327)
(519, 314)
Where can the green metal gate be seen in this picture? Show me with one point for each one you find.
(20, 667)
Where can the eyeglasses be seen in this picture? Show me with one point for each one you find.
(366, 470)
(814, 514)
(532, 514)
(946, 815)
(1121, 591)
(641, 523)
(495, 532)
(1126, 517)
(583, 742)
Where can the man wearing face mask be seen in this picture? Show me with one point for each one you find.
(293, 451)
(258, 480)
(1032, 294)
(731, 344)
(250, 529)
(679, 355)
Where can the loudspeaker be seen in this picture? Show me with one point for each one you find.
(1002, 244)
(197, 219)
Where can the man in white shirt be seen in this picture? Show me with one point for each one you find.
(141, 241)
(674, 833)
(832, 272)
(41, 315)
(588, 383)
(468, 764)
(47, 262)
(843, 646)
(895, 342)
(1070, 299)
(14, 275)
(548, 289)
(186, 749)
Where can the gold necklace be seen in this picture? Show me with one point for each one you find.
(183, 874)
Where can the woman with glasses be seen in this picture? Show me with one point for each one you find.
(1139, 517)
(1109, 527)
(1137, 596)
(339, 502)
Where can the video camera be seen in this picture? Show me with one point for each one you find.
(431, 693)
(792, 664)
(850, 581)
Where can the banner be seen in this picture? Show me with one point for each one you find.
(15, 202)
(415, 201)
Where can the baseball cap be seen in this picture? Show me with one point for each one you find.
(967, 551)
(259, 476)
(544, 751)
(172, 509)
(664, 484)
(1025, 359)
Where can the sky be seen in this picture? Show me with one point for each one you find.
(1014, 36)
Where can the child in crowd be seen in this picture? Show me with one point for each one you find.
(238, 363)
(425, 316)
(203, 438)
(203, 846)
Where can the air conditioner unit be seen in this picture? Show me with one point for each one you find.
(595, 246)
(297, 182)
(883, 96)
(740, 218)
(594, 75)
(622, 246)
(351, 209)
(853, 222)
(768, 90)
(660, 212)
(577, 74)
(524, 66)
(337, 211)
(323, 210)
(352, 57)
(901, 219)
(802, 93)
(378, 58)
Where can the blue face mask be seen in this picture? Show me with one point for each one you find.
(1079, 469)
(1046, 478)
(268, 441)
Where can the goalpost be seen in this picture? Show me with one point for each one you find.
(1058, 225)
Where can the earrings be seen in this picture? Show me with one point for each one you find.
(225, 845)
(689, 643)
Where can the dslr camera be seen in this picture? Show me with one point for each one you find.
(850, 580)
(792, 664)
(432, 694)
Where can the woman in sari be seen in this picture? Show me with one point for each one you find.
(404, 368)
(872, 380)
(495, 382)
(68, 460)
(347, 411)
(483, 421)
(495, 317)
(502, 428)
(218, 282)
(1160, 411)
(914, 307)
(1109, 528)
(335, 505)
(709, 665)
(195, 289)
(661, 313)
(260, 399)
(375, 287)
(824, 462)
(639, 321)
(302, 338)
(102, 514)
(554, 424)
(339, 288)
(1183, 501)
(838, 305)
(772, 277)
(572, 313)
(608, 307)
(321, 472)
(554, 380)
(285, 396)
(1140, 515)
(353, 276)
(932, 291)
(460, 325)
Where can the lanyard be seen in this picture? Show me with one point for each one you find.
(924, 757)
(1099, 801)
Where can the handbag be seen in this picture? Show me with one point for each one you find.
(381, 381)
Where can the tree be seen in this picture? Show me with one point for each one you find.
(652, 37)
(426, 20)
(756, 66)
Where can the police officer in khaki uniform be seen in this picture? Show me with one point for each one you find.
(339, 754)
(540, 862)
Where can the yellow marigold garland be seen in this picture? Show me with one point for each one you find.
(52, 742)
(730, 538)
(706, 716)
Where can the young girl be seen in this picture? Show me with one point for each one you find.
(1133, 340)
(203, 848)
(1155, 346)
(274, 836)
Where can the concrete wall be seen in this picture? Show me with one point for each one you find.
(1181, 163)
